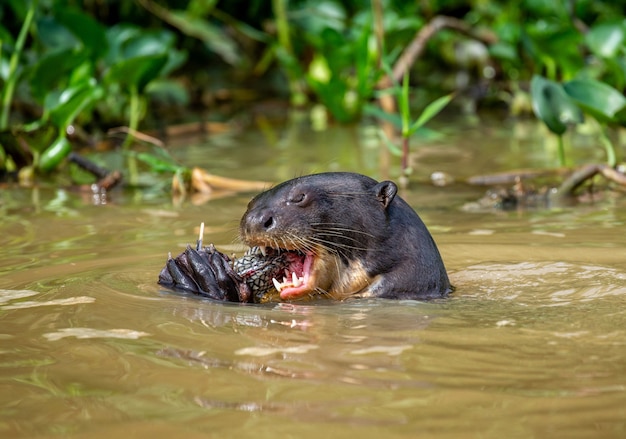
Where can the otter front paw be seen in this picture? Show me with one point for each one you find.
(204, 271)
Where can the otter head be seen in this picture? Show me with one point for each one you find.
(327, 224)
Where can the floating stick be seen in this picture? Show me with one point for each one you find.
(200, 237)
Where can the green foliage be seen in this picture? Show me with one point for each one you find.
(606, 40)
(159, 160)
(12, 69)
(560, 105)
(343, 73)
(195, 21)
(78, 65)
(576, 55)
(430, 111)
(54, 154)
(553, 106)
(404, 122)
(596, 98)
(344, 67)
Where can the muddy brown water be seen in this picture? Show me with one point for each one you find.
(532, 344)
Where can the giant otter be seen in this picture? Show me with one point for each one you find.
(336, 235)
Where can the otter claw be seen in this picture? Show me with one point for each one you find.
(226, 278)
(178, 276)
(205, 271)
(202, 271)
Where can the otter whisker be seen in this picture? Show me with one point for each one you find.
(322, 292)
(309, 243)
(331, 227)
(339, 245)
(342, 236)
(349, 194)
(330, 246)
(346, 234)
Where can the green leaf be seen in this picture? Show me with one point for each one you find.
(54, 154)
(20, 8)
(365, 54)
(606, 39)
(159, 163)
(553, 106)
(201, 8)
(376, 111)
(214, 38)
(148, 43)
(504, 51)
(136, 72)
(391, 146)
(319, 70)
(117, 37)
(53, 69)
(71, 102)
(89, 31)
(596, 98)
(52, 35)
(6, 39)
(431, 111)
(82, 73)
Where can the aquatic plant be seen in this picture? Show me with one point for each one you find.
(589, 89)
(408, 126)
(11, 76)
(63, 67)
(560, 105)
(78, 69)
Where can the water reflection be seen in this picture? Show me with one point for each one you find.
(531, 343)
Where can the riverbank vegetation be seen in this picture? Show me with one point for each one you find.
(80, 76)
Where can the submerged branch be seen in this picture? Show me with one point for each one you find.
(587, 172)
(107, 180)
(522, 194)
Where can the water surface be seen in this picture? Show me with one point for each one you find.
(532, 344)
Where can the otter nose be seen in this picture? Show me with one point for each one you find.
(258, 221)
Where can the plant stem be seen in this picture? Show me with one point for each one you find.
(133, 173)
(405, 154)
(282, 29)
(133, 121)
(611, 157)
(561, 151)
(379, 31)
(9, 87)
(133, 124)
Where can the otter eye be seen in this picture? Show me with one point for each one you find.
(298, 198)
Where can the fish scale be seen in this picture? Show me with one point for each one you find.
(258, 270)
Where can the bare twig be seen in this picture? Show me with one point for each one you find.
(414, 50)
(137, 135)
(106, 179)
(587, 172)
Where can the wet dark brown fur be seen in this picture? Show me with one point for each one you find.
(366, 240)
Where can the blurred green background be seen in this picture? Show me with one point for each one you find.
(93, 65)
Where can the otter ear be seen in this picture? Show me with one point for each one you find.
(385, 192)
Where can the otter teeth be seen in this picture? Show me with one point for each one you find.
(294, 282)
(277, 284)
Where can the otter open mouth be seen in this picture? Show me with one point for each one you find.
(296, 281)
